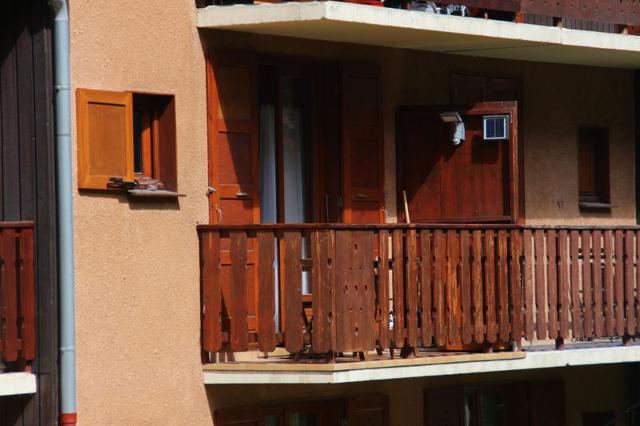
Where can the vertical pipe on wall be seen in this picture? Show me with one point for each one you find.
(65, 213)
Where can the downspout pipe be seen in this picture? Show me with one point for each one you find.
(64, 186)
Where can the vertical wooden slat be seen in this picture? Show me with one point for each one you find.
(383, 287)
(412, 288)
(576, 303)
(608, 283)
(364, 299)
(515, 285)
(266, 291)
(503, 287)
(528, 284)
(398, 288)
(598, 318)
(292, 285)
(629, 296)
(552, 283)
(563, 287)
(452, 290)
(476, 291)
(439, 247)
(541, 296)
(323, 282)
(637, 287)
(465, 276)
(426, 286)
(27, 295)
(490, 286)
(587, 283)
(619, 283)
(9, 296)
(238, 327)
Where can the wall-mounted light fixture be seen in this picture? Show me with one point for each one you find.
(456, 124)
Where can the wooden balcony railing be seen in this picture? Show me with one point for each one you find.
(407, 286)
(17, 293)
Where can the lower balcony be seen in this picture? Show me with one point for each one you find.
(322, 292)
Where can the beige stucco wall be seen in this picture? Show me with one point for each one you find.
(137, 276)
(137, 295)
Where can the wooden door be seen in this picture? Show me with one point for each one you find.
(476, 181)
(362, 144)
(368, 411)
(233, 177)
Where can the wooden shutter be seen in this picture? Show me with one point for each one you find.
(105, 137)
(547, 403)
(368, 411)
(233, 139)
(362, 144)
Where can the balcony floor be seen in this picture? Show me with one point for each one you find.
(378, 26)
(282, 369)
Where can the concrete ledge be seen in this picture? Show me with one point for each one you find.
(249, 373)
(370, 25)
(17, 384)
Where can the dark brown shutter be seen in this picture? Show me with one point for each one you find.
(233, 139)
(368, 411)
(105, 137)
(547, 403)
(362, 144)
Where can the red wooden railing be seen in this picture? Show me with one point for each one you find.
(17, 292)
(403, 286)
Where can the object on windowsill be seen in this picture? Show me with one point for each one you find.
(117, 182)
(149, 184)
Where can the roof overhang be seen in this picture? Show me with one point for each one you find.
(378, 26)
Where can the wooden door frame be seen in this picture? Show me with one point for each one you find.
(514, 196)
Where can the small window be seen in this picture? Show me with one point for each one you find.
(126, 141)
(593, 168)
(495, 127)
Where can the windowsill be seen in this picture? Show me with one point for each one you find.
(594, 206)
(160, 193)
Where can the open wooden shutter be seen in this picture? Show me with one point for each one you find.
(233, 139)
(368, 411)
(105, 137)
(362, 144)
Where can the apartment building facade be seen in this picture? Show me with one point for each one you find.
(336, 213)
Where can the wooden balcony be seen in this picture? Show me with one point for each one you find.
(325, 290)
(17, 294)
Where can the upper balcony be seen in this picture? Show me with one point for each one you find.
(594, 33)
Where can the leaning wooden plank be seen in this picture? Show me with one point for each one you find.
(541, 295)
(608, 283)
(412, 288)
(292, 284)
(503, 287)
(211, 291)
(266, 291)
(515, 285)
(27, 295)
(598, 305)
(465, 284)
(528, 285)
(576, 303)
(587, 283)
(426, 286)
(563, 287)
(238, 328)
(552, 283)
(398, 288)
(490, 286)
(440, 250)
(629, 296)
(383, 288)
(619, 283)
(9, 296)
(477, 288)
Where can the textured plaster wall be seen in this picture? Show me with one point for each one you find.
(557, 99)
(607, 388)
(137, 279)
